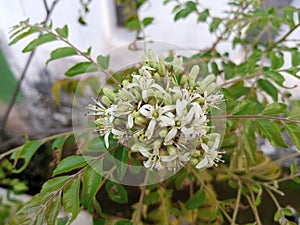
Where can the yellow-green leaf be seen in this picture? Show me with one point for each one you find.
(71, 198)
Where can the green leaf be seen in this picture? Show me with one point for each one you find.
(61, 53)
(271, 131)
(147, 21)
(295, 58)
(24, 34)
(245, 107)
(215, 24)
(191, 5)
(275, 109)
(183, 13)
(45, 38)
(276, 76)
(54, 183)
(103, 61)
(121, 161)
(293, 130)
(277, 215)
(63, 32)
(151, 198)
(26, 153)
(269, 88)
(123, 222)
(91, 182)
(71, 198)
(53, 209)
(215, 69)
(80, 68)
(203, 15)
(276, 61)
(71, 163)
(196, 200)
(116, 192)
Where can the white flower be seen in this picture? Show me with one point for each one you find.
(211, 155)
(154, 159)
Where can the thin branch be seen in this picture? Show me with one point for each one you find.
(256, 117)
(140, 205)
(237, 204)
(23, 74)
(284, 37)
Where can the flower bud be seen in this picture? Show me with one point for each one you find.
(194, 161)
(140, 120)
(171, 149)
(207, 81)
(193, 75)
(211, 88)
(161, 69)
(183, 79)
(106, 101)
(163, 133)
(109, 93)
(196, 153)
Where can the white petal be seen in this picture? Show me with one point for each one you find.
(165, 109)
(150, 129)
(158, 87)
(147, 164)
(145, 152)
(205, 147)
(172, 133)
(158, 166)
(168, 158)
(188, 118)
(106, 142)
(166, 121)
(145, 95)
(202, 164)
(117, 132)
(130, 121)
(147, 110)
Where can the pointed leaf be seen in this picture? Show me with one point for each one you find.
(63, 32)
(45, 38)
(24, 34)
(103, 61)
(294, 133)
(71, 198)
(271, 131)
(196, 200)
(80, 68)
(26, 153)
(275, 109)
(121, 161)
(71, 163)
(54, 183)
(269, 88)
(91, 182)
(53, 210)
(61, 53)
(116, 192)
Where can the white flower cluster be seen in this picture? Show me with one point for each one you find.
(161, 113)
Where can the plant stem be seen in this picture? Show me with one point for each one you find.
(255, 117)
(140, 205)
(238, 201)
